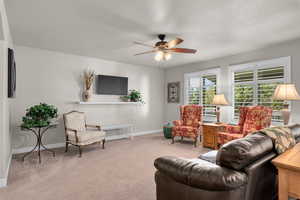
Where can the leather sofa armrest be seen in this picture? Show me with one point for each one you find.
(201, 174)
(295, 128)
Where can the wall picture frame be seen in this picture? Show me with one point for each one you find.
(174, 92)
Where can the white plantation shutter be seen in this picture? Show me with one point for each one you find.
(200, 91)
(268, 79)
(256, 87)
(209, 89)
(194, 90)
(243, 90)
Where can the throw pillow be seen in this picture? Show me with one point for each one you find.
(282, 138)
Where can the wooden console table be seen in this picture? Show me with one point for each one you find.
(288, 165)
(209, 132)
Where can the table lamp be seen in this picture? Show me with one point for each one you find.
(219, 100)
(286, 92)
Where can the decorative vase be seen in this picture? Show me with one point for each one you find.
(87, 95)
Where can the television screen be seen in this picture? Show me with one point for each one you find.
(112, 85)
(11, 90)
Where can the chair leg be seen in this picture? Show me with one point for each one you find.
(103, 142)
(67, 147)
(195, 142)
(181, 138)
(173, 139)
(80, 151)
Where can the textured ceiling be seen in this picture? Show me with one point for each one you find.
(107, 28)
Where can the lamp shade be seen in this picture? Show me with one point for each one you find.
(286, 92)
(219, 100)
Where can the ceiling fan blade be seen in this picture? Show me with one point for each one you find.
(152, 51)
(174, 42)
(143, 44)
(182, 50)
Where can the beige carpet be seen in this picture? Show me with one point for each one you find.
(122, 171)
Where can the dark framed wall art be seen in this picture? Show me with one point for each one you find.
(174, 92)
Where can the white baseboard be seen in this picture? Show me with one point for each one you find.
(3, 181)
(147, 132)
(27, 149)
(58, 145)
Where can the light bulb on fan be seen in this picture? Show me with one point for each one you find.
(167, 56)
(159, 56)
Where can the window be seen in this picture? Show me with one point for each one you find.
(256, 83)
(200, 90)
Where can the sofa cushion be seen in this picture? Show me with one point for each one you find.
(295, 128)
(200, 173)
(210, 156)
(239, 153)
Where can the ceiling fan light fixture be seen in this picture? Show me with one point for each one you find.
(159, 56)
(167, 56)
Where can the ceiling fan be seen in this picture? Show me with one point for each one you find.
(163, 49)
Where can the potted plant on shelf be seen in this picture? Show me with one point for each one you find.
(133, 96)
(88, 77)
(39, 116)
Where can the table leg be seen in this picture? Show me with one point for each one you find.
(39, 145)
(283, 184)
(45, 148)
(23, 158)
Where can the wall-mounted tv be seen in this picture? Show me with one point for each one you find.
(111, 85)
(11, 90)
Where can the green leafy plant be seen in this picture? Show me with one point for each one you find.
(134, 96)
(39, 116)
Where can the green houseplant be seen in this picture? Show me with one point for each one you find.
(39, 115)
(133, 96)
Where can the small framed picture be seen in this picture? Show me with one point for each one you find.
(174, 92)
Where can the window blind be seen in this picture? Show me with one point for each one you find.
(201, 90)
(256, 87)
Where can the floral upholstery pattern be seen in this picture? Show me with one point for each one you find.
(258, 117)
(189, 125)
(251, 119)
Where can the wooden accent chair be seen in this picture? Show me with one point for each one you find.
(78, 133)
(251, 119)
(190, 123)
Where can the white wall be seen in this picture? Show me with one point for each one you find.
(55, 78)
(290, 48)
(5, 138)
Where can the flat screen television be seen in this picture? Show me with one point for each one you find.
(111, 85)
(11, 89)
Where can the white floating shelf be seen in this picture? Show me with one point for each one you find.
(107, 103)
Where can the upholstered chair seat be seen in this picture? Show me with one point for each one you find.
(86, 137)
(79, 133)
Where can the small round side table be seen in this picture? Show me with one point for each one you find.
(39, 132)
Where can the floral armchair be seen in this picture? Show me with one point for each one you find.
(251, 119)
(189, 124)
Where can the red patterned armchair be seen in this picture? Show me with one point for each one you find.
(189, 124)
(251, 119)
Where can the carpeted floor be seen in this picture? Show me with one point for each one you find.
(122, 171)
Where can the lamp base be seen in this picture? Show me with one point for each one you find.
(285, 112)
(218, 115)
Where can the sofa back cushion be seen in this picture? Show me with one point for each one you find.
(239, 153)
(191, 115)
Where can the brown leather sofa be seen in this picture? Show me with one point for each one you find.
(243, 171)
